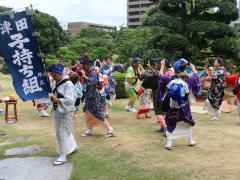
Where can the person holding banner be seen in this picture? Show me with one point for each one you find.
(63, 99)
(93, 108)
(66, 71)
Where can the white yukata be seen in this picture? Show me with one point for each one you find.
(64, 118)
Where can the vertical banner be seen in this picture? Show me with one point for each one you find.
(21, 54)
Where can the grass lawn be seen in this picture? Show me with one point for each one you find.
(137, 150)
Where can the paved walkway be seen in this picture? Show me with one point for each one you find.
(33, 168)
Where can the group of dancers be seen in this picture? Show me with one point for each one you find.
(175, 89)
(72, 84)
(172, 91)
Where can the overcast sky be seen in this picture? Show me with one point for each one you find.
(109, 12)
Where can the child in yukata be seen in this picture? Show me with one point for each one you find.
(145, 101)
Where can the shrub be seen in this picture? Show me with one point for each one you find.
(120, 88)
(4, 69)
(51, 62)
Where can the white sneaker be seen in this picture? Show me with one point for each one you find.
(40, 114)
(126, 108)
(168, 146)
(214, 119)
(60, 160)
(192, 142)
(45, 114)
(87, 133)
(132, 110)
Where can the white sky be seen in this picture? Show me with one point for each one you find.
(109, 12)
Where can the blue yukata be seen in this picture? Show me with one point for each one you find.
(93, 99)
(108, 70)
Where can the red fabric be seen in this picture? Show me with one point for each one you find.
(140, 92)
(232, 80)
(143, 111)
(77, 70)
(40, 106)
(169, 73)
(105, 80)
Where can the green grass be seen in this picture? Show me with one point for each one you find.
(137, 150)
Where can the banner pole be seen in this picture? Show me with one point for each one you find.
(39, 47)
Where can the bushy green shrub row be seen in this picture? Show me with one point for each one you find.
(120, 88)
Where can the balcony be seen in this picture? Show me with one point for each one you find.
(134, 23)
(136, 9)
(139, 2)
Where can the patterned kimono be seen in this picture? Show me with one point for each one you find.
(108, 70)
(64, 118)
(93, 107)
(79, 92)
(216, 92)
(145, 101)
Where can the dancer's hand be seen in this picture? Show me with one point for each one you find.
(54, 99)
(163, 62)
(82, 72)
(192, 66)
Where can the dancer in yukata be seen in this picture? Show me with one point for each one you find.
(93, 108)
(63, 99)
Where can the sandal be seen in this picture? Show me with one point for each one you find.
(108, 135)
(58, 163)
(107, 115)
(87, 134)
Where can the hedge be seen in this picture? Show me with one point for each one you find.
(120, 88)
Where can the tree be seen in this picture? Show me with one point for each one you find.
(99, 53)
(130, 43)
(193, 29)
(4, 68)
(4, 9)
(52, 34)
(96, 41)
(65, 53)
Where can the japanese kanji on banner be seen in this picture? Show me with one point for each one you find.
(21, 54)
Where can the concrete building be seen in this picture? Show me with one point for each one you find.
(236, 24)
(75, 27)
(135, 10)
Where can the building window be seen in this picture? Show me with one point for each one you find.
(145, 5)
(134, 20)
(134, 6)
(237, 25)
(134, 13)
(133, 26)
